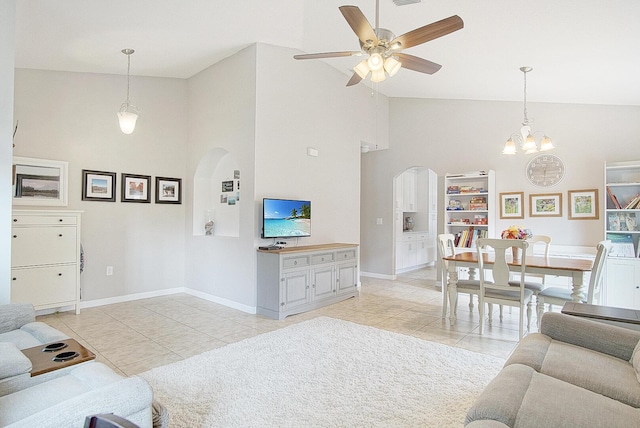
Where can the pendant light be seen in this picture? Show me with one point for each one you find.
(525, 137)
(128, 113)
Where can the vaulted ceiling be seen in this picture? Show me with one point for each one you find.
(581, 51)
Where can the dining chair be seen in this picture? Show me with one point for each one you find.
(560, 295)
(499, 291)
(537, 285)
(446, 248)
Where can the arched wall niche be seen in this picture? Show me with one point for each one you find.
(217, 166)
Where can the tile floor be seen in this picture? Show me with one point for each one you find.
(136, 336)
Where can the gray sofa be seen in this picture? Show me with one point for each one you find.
(575, 373)
(65, 397)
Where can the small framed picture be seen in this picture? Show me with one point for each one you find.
(227, 186)
(512, 205)
(545, 205)
(136, 188)
(168, 190)
(98, 186)
(583, 204)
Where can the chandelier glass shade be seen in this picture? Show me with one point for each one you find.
(526, 137)
(128, 113)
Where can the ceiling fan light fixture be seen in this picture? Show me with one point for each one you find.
(362, 69)
(392, 66)
(378, 75)
(375, 61)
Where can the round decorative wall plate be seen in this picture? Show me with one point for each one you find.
(545, 170)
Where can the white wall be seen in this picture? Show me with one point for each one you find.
(304, 104)
(221, 103)
(460, 136)
(72, 117)
(7, 59)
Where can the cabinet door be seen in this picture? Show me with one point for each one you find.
(44, 286)
(295, 289)
(42, 245)
(323, 283)
(410, 254)
(422, 252)
(347, 278)
(410, 190)
(623, 283)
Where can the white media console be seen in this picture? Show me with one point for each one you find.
(299, 279)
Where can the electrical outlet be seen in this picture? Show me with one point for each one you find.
(109, 270)
(379, 220)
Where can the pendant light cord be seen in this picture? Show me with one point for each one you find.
(526, 120)
(128, 74)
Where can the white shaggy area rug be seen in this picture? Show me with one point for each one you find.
(324, 373)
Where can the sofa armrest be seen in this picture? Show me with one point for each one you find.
(608, 339)
(12, 361)
(129, 398)
(488, 423)
(15, 315)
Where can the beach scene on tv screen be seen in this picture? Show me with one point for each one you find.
(287, 218)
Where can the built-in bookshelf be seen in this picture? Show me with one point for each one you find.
(622, 212)
(469, 205)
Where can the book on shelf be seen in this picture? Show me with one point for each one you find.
(621, 245)
(633, 203)
(613, 198)
(620, 221)
(467, 238)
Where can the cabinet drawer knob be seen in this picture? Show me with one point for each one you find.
(60, 235)
(60, 220)
(60, 274)
(295, 262)
(15, 236)
(15, 220)
(14, 278)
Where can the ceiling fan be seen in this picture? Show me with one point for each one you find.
(384, 49)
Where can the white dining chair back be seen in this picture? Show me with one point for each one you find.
(446, 248)
(559, 296)
(499, 291)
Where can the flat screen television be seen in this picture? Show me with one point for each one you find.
(285, 218)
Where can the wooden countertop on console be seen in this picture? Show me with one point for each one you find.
(300, 249)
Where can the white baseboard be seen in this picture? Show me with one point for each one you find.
(377, 275)
(158, 293)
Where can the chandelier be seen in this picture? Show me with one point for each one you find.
(525, 138)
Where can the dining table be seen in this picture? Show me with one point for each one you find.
(573, 268)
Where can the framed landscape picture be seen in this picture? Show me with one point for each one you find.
(136, 188)
(512, 205)
(168, 190)
(98, 186)
(583, 204)
(545, 205)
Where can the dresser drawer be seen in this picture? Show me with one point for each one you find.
(43, 245)
(294, 262)
(346, 255)
(25, 220)
(45, 285)
(321, 258)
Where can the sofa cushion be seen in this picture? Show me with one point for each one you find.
(521, 397)
(15, 315)
(32, 334)
(31, 400)
(635, 360)
(595, 371)
(12, 361)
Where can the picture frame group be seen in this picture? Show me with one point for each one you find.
(582, 205)
(101, 186)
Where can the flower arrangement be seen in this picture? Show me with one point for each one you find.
(516, 232)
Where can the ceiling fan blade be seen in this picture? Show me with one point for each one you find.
(359, 24)
(327, 55)
(355, 79)
(417, 64)
(429, 32)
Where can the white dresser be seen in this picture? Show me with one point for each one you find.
(299, 279)
(45, 258)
